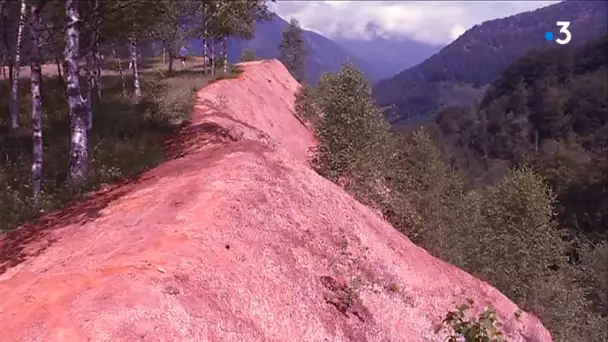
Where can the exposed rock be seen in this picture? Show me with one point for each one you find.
(235, 240)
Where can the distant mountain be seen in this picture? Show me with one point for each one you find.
(388, 56)
(324, 54)
(459, 72)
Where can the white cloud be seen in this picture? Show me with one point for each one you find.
(437, 22)
(456, 31)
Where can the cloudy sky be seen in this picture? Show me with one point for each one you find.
(436, 22)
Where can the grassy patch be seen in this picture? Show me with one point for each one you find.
(126, 139)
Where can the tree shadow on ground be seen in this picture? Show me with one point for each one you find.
(34, 237)
(126, 140)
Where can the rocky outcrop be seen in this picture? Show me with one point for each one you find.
(236, 239)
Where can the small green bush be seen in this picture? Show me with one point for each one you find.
(483, 328)
(248, 56)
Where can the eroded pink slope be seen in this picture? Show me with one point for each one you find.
(231, 243)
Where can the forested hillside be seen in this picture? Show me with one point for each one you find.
(477, 57)
(548, 110)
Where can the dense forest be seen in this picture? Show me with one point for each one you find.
(514, 191)
(548, 110)
(477, 57)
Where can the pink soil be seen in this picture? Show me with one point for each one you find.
(229, 242)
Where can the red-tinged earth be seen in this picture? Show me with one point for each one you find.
(237, 240)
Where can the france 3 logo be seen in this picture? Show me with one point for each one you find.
(567, 35)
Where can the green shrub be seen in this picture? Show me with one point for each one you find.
(486, 327)
(248, 56)
(305, 105)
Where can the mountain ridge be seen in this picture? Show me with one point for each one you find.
(478, 56)
(324, 55)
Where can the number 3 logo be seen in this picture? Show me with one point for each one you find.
(564, 29)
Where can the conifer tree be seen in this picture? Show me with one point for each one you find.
(293, 54)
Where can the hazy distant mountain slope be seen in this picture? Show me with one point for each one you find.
(388, 56)
(324, 54)
(477, 57)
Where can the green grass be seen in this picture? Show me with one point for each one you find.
(126, 139)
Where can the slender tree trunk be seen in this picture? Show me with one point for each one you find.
(90, 77)
(96, 55)
(134, 64)
(14, 107)
(164, 51)
(205, 57)
(122, 77)
(59, 73)
(225, 53)
(205, 54)
(35, 78)
(6, 54)
(212, 46)
(170, 61)
(7, 45)
(3, 65)
(79, 158)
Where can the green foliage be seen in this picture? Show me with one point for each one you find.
(352, 133)
(518, 216)
(126, 140)
(506, 232)
(248, 56)
(292, 52)
(547, 113)
(237, 18)
(305, 105)
(425, 192)
(483, 328)
(595, 275)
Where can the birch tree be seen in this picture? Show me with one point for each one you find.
(129, 22)
(119, 62)
(4, 19)
(35, 77)
(90, 50)
(135, 67)
(235, 18)
(78, 159)
(171, 28)
(14, 104)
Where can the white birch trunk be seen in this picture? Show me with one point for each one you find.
(135, 66)
(122, 77)
(3, 18)
(205, 54)
(225, 53)
(14, 107)
(35, 78)
(212, 46)
(5, 40)
(79, 158)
